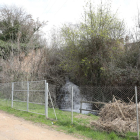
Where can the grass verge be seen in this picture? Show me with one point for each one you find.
(79, 128)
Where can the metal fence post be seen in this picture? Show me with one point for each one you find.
(27, 96)
(81, 107)
(72, 106)
(137, 112)
(46, 100)
(12, 94)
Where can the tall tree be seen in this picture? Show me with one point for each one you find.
(17, 25)
(89, 47)
(19, 31)
(20, 34)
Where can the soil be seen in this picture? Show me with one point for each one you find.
(14, 128)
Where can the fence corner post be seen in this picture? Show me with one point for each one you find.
(12, 93)
(27, 96)
(72, 105)
(46, 100)
(137, 112)
(80, 106)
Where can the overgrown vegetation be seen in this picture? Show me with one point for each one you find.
(20, 36)
(90, 47)
(95, 51)
(19, 31)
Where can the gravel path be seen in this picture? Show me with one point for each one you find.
(14, 128)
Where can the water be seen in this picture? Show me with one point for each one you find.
(66, 100)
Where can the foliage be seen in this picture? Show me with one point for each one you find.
(16, 24)
(20, 35)
(91, 46)
(19, 31)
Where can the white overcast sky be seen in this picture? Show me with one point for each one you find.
(61, 11)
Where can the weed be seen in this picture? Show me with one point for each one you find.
(113, 136)
(71, 130)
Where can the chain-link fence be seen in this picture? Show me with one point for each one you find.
(5, 94)
(29, 96)
(113, 107)
(106, 94)
(73, 105)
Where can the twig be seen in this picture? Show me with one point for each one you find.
(132, 97)
(129, 100)
(119, 108)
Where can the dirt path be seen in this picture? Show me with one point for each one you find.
(14, 128)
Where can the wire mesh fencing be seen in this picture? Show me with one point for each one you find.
(55, 103)
(5, 94)
(29, 96)
(116, 107)
(76, 106)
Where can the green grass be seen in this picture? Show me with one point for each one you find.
(80, 127)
